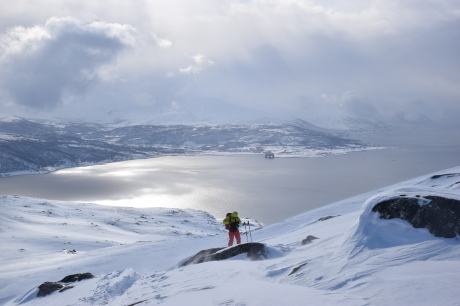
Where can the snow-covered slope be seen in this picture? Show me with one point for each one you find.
(358, 258)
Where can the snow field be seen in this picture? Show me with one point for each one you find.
(358, 258)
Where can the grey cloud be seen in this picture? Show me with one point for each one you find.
(42, 65)
(281, 56)
(411, 67)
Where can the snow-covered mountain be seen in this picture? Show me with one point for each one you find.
(43, 146)
(341, 254)
(205, 110)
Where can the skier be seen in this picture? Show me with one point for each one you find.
(227, 226)
(232, 222)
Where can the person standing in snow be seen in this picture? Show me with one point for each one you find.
(227, 226)
(231, 223)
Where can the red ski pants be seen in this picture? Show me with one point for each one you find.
(232, 235)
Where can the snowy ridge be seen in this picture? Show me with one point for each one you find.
(39, 146)
(358, 258)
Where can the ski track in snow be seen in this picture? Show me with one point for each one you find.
(358, 259)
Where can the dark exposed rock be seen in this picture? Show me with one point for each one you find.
(444, 175)
(441, 216)
(49, 287)
(297, 268)
(309, 239)
(199, 255)
(136, 303)
(76, 277)
(254, 250)
(326, 218)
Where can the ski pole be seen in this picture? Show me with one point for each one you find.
(246, 231)
(249, 225)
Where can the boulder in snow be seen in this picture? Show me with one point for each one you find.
(254, 250)
(199, 255)
(76, 277)
(309, 239)
(441, 216)
(49, 287)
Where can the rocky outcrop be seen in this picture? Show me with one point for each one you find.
(254, 250)
(326, 218)
(296, 269)
(49, 287)
(441, 216)
(76, 277)
(446, 175)
(199, 255)
(309, 239)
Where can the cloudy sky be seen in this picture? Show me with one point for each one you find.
(309, 58)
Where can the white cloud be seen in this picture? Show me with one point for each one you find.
(200, 63)
(162, 42)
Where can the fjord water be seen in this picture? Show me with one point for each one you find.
(268, 190)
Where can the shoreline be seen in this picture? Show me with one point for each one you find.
(309, 153)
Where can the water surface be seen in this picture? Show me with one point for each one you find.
(268, 190)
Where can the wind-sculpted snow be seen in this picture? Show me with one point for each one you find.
(39, 147)
(356, 258)
(373, 242)
(371, 228)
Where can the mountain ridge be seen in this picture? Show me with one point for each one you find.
(43, 146)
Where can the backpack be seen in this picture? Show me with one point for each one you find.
(233, 225)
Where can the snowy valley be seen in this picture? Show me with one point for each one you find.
(353, 257)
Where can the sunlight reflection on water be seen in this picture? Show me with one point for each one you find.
(267, 190)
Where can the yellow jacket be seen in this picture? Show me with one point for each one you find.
(232, 221)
